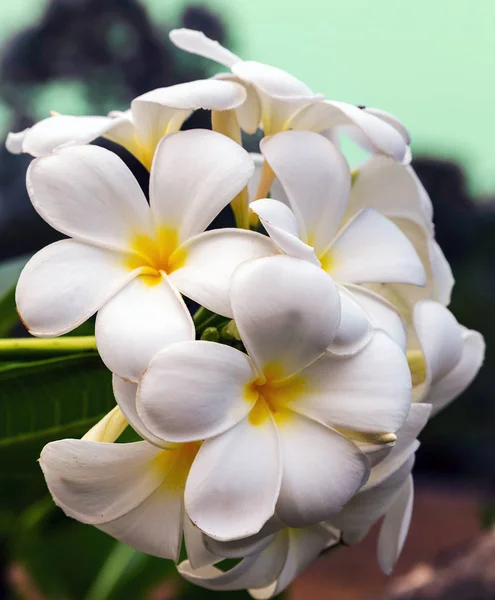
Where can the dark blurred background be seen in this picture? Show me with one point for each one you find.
(112, 51)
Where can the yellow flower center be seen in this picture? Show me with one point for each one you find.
(155, 256)
(273, 395)
(175, 464)
(417, 366)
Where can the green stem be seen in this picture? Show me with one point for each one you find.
(200, 315)
(34, 347)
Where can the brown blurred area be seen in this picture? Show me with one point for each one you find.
(445, 521)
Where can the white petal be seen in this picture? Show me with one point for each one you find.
(461, 376)
(369, 505)
(355, 330)
(96, 482)
(368, 392)
(248, 113)
(89, 194)
(139, 321)
(15, 140)
(379, 135)
(163, 110)
(405, 446)
(304, 547)
(195, 390)
(281, 225)
(286, 310)
(109, 428)
(322, 470)
(65, 283)
(254, 571)
(384, 316)
(62, 130)
(370, 248)
(281, 94)
(234, 482)
(196, 42)
(198, 554)
(440, 338)
(210, 260)
(154, 527)
(391, 189)
(247, 546)
(316, 178)
(255, 179)
(441, 274)
(391, 120)
(125, 395)
(195, 174)
(395, 527)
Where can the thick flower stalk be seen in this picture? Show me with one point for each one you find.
(278, 421)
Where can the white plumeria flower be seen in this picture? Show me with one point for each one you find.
(279, 101)
(369, 248)
(151, 116)
(269, 417)
(389, 492)
(396, 192)
(133, 491)
(269, 571)
(128, 259)
(446, 356)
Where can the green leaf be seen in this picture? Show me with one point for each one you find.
(9, 274)
(41, 401)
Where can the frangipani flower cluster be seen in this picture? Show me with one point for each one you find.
(283, 423)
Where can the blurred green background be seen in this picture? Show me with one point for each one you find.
(430, 63)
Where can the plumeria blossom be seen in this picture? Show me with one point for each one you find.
(268, 417)
(132, 491)
(130, 260)
(279, 101)
(368, 248)
(446, 357)
(269, 571)
(151, 116)
(396, 192)
(389, 492)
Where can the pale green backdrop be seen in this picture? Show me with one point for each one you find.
(431, 62)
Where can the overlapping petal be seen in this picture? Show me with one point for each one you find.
(154, 527)
(367, 392)
(162, 111)
(461, 376)
(211, 259)
(391, 189)
(63, 130)
(383, 315)
(380, 136)
(234, 483)
(196, 42)
(96, 482)
(313, 488)
(370, 248)
(316, 178)
(304, 546)
(195, 174)
(204, 395)
(67, 282)
(146, 316)
(281, 225)
(253, 571)
(89, 194)
(395, 527)
(125, 395)
(287, 312)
